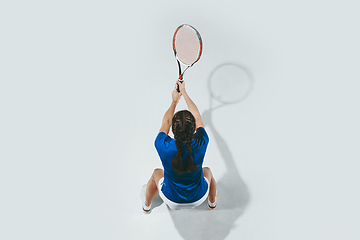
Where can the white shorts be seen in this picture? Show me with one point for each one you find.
(175, 206)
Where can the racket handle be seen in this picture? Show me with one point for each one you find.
(180, 80)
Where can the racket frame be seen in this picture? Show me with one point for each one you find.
(181, 74)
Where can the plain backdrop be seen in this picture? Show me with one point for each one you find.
(84, 86)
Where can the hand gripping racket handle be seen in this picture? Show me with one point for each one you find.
(180, 80)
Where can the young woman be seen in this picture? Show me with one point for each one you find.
(183, 183)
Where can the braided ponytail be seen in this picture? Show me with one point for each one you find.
(183, 127)
(177, 162)
(189, 162)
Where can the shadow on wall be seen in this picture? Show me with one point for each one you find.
(228, 84)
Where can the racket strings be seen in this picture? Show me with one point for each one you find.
(187, 45)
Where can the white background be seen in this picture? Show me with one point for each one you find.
(85, 84)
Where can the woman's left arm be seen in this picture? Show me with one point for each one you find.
(167, 120)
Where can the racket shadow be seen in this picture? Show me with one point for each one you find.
(233, 196)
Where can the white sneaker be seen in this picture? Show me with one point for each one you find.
(213, 205)
(146, 209)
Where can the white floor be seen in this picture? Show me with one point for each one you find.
(84, 86)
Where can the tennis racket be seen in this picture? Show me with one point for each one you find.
(228, 83)
(187, 46)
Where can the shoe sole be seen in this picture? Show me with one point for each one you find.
(146, 212)
(211, 208)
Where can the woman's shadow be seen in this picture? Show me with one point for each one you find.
(233, 194)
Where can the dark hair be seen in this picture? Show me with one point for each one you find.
(183, 127)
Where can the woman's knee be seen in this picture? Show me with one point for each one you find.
(207, 172)
(158, 173)
(207, 169)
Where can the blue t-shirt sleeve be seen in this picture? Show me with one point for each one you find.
(162, 141)
(166, 149)
(201, 137)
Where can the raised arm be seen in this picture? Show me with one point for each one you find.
(191, 105)
(167, 120)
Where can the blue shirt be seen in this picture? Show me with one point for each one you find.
(185, 187)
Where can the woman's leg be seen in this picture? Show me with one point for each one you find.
(212, 191)
(152, 185)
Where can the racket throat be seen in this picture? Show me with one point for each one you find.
(181, 75)
(179, 66)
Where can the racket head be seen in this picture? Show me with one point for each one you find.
(187, 44)
(229, 83)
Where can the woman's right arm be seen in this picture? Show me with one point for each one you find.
(167, 119)
(191, 105)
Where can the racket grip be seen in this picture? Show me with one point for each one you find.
(177, 86)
